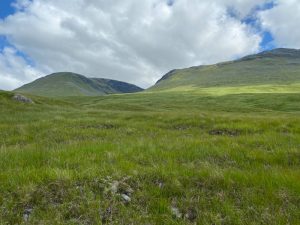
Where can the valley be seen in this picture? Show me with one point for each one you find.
(173, 154)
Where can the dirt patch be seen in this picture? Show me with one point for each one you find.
(225, 132)
(105, 126)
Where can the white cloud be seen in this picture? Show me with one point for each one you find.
(130, 40)
(243, 7)
(283, 23)
(14, 70)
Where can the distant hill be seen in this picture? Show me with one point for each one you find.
(275, 67)
(72, 84)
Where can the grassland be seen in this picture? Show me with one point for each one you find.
(231, 158)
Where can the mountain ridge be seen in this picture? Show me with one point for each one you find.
(277, 66)
(72, 84)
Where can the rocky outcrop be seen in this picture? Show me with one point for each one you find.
(22, 98)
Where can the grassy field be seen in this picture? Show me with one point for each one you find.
(181, 158)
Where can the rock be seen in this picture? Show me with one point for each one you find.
(191, 214)
(114, 187)
(128, 191)
(175, 211)
(26, 214)
(21, 98)
(120, 187)
(126, 198)
(160, 185)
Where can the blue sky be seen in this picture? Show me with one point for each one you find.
(89, 37)
(6, 9)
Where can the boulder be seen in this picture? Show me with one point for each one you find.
(22, 98)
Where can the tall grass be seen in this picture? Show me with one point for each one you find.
(231, 159)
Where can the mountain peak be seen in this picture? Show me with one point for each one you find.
(63, 74)
(73, 84)
(275, 67)
(287, 52)
(274, 53)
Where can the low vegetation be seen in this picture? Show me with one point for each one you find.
(151, 158)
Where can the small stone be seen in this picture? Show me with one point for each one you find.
(26, 214)
(26, 217)
(114, 187)
(129, 191)
(21, 98)
(175, 211)
(160, 185)
(126, 198)
(191, 214)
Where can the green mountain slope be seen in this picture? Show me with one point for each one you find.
(279, 68)
(71, 84)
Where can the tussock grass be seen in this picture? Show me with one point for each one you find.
(231, 159)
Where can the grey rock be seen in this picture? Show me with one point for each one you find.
(22, 98)
(26, 214)
(126, 198)
(114, 187)
(191, 214)
(160, 185)
(175, 211)
(128, 191)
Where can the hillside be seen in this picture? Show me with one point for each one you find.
(151, 157)
(279, 67)
(71, 84)
(162, 157)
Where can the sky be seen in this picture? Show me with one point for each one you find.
(136, 41)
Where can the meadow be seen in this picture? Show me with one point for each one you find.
(177, 157)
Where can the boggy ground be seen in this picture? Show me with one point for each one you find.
(152, 158)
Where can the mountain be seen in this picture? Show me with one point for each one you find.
(72, 84)
(275, 67)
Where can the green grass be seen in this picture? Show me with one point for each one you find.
(254, 89)
(278, 67)
(232, 158)
(71, 84)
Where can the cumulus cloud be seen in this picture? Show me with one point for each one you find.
(129, 40)
(14, 70)
(282, 22)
